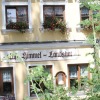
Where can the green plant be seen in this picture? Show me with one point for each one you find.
(43, 79)
(55, 23)
(93, 85)
(20, 26)
(87, 25)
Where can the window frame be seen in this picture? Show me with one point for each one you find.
(53, 7)
(64, 3)
(30, 66)
(4, 4)
(16, 8)
(63, 78)
(78, 72)
(89, 14)
(1, 80)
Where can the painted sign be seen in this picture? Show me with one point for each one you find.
(39, 55)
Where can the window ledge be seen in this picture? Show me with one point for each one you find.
(4, 31)
(56, 29)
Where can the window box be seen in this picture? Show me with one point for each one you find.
(20, 26)
(55, 23)
(87, 25)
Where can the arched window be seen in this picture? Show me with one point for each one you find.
(60, 78)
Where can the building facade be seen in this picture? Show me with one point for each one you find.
(63, 53)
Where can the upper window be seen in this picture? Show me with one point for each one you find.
(87, 16)
(17, 14)
(54, 17)
(84, 13)
(6, 81)
(53, 11)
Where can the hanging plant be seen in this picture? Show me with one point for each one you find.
(20, 26)
(55, 23)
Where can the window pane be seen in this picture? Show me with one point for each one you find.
(6, 83)
(73, 83)
(48, 11)
(22, 14)
(95, 12)
(7, 76)
(11, 15)
(73, 71)
(7, 89)
(83, 71)
(84, 11)
(60, 79)
(58, 11)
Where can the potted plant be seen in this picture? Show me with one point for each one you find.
(87, 24)
(55, 23)
(20, 26)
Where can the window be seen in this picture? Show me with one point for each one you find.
(6, 81)
(16, 14)
(84, 13)
(51, 8)
(53, 11)
(47, 68)
(76, 72)
(61, 78)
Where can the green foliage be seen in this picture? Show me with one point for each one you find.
(94, 22)
(55, 23)
(42, 77)
(90, 39)
(92, 86)
(20, 26)
(86, 24)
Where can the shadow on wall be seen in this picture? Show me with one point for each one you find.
(20, 77)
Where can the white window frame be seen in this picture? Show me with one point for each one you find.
(39, 65)
(65, 3)
(17, 4)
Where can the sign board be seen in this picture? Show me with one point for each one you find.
(39, 55)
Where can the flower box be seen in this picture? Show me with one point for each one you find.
(20, 26)
(55, 23)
